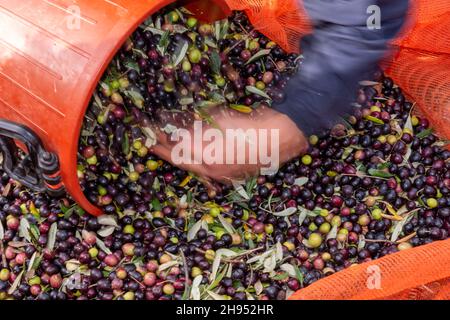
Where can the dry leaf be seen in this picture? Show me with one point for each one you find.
(107, 220)
(106, 231)
(52, 236)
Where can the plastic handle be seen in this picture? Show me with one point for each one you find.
(39, 169)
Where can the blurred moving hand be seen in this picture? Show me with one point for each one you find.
(290, 144)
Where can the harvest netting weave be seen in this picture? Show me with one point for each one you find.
(420, 64)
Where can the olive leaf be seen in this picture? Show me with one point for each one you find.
(72, 265)
(258, 55)
(217, 296)
(299, 274)
(286, 212)
(194, 229)
(156, 205)
(167, 265)
(230, 229)
(52, 236)
(254, 90)
(218, 278)
(169, 128)
(249, 296)
(186, 101)
(151, 137)
(107, 220)
(154, 30)
(195, 290)
(182, 50)
(279, 251)
(281, 276)
(270, 263)
(136, 97)
(178, 28)
(361, 242)
(132, 65)
(16, 283)
(302, 216)
(240, 189)
(408, 124)
(126, 144)
(289, 269)
(399, 227)
(31, 266)
(102, 246)
(163, 43)
(2, 231)
(24, 229)
(425, 133)
(217, 260)
(374, 120)
(258, 287)
(156, 184)
(379, 173)
(301, 181)
(106, 231)
(333, 232)
(216, 62)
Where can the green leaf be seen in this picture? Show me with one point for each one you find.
(301, 181)
(399, 227)
(156, 205)
(258, 55)
(132, 65)
(154, 30)
(374, 120)
(102, 246)
(250, 185)
(380, 173)
(254, 90)
(299, 275)
(230, 229)
(136, 97)
(425, 133)
(216, 62)
(163, 42)
(281, 276)
(286, 212)
(181, 52)
(217, 280)
(126, 144)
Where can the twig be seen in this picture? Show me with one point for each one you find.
(362, 175)
(5, 264)
(407, 238)
(379, 241)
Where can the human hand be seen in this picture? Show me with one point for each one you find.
(210, 156)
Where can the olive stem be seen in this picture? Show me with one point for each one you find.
(363, 175)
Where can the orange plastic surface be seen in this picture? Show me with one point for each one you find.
(52, 55)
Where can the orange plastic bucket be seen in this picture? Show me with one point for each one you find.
(52, 55)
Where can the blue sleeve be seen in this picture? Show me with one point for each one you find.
(337, 55)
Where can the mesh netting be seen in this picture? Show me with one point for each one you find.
(421, 273)
(420, 65)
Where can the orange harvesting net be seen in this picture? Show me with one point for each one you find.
(420, 64)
